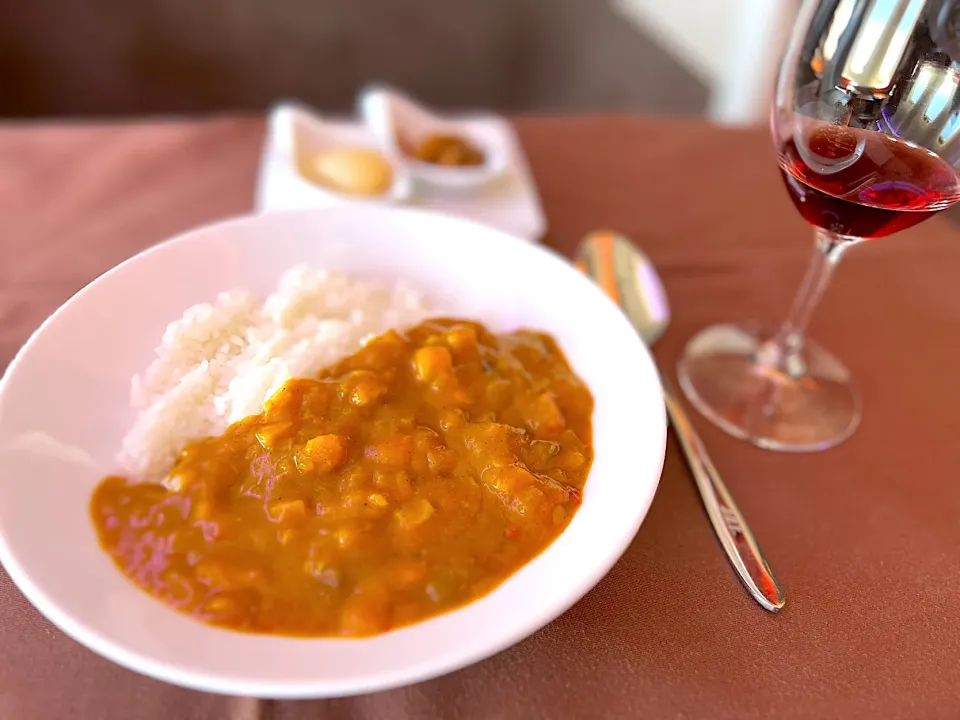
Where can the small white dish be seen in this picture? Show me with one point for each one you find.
(64, 410)
(392, 116)
(299, 135)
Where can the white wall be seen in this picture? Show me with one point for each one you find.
(693, 30)
(732, 45)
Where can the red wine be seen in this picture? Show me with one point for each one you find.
(863, 183)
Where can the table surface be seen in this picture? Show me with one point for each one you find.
(865, 537)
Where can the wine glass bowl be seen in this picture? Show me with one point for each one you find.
(866, 126)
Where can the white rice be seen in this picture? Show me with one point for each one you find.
(219, 362)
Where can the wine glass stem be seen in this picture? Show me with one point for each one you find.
(783, 349)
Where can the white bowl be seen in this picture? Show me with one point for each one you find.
(390, 114)
(64, 410)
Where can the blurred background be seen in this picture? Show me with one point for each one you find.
(79, 58)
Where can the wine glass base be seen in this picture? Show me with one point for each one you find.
(813, 406)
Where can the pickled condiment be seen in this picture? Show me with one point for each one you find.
(449, 150)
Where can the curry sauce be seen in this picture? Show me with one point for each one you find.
(408, 479)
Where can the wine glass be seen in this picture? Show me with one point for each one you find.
(865, 121)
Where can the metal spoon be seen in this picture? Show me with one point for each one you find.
(629, 278)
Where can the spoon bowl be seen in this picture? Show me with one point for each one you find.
(626, 274)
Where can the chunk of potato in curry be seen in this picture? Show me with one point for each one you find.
(408, 479)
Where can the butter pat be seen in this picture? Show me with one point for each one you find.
(353, 171)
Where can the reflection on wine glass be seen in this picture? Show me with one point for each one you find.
(866, 121)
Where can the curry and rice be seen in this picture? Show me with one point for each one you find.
(331, 461)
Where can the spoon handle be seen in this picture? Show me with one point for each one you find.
(735, 536)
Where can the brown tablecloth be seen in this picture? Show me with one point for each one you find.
(865, 537)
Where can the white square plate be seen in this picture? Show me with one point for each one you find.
(509, 203)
